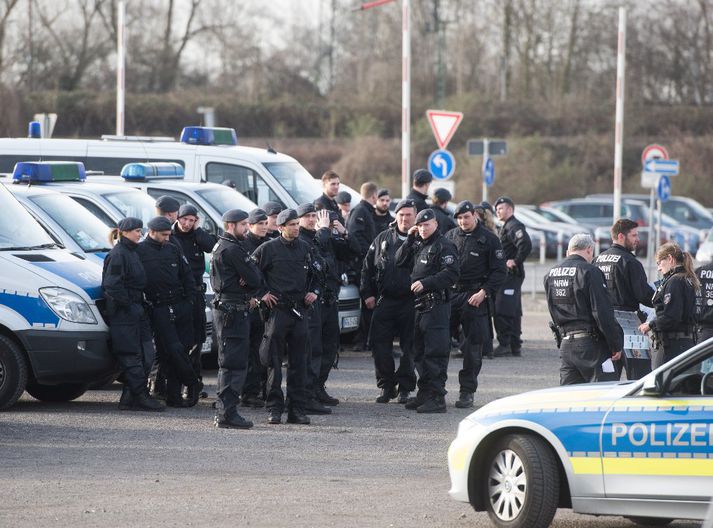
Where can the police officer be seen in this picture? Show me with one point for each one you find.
(419, 192)
(330, 190)
(508, 301)
(433, 262)
(441, 197)
(482, 271)
(386, 289)
(344, 201)
(170, 290)
(579, 304)
(627, 284)
(382, 214)
(704, 314)
(123, 282)
(195, 242)
(675, 304)
(272, 209)
(287, 267)
(234, 277)
(167, 206)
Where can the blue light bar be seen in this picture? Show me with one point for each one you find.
(48, 171)
(159, 170)
(194, 135)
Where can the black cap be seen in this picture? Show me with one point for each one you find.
(187, 210)
(167, 204)
(425, 216)
(464, 207)
(160, 223)
(343, 197)
(228, 183)
(234, 216)
(382, 192)
(486, 206)
(422, 176)
(304, 209)
(442, 195)
(286, 216)
(504, 199)
(406, 202)
(272, 208)
(130, 223)
(257, 215)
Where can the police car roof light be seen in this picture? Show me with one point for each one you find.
(34, 130)
(48, 171)
(160, 170)
(194, 135)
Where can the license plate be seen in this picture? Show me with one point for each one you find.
(350, 322)
(207, 346)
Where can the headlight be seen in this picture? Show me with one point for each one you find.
(67, 305)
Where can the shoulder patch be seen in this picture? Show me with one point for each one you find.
(448, 260)
(519, 233)
(499, 254)
(667, 298)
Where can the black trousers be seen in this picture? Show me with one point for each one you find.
(132, 344)
(314, 325)
(582, 361)
(233, 334)
(669, 349)
(394, 318)
(508, 312)
(285, 335)
(476, 332)
(329, 314)
(432, 347)
(256, 376)
(199, 336)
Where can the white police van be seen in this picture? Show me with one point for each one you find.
(53, 340)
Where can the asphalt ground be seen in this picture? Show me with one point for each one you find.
(84, 463)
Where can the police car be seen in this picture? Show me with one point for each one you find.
(642, 450)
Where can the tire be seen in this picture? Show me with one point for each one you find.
(520, 482)
(13, 372)
(650, 521)
(63, 392)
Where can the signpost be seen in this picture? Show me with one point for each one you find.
(489, 172)
(655, 162)
(486, 148)
(444, 124)
(441, 164)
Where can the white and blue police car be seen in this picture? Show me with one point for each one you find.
(642, 449)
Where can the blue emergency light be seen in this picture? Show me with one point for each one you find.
(159, 170)
(195, 135)
(48, 171)
(34, 130)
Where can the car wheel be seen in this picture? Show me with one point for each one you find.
(521, 482)
(650, 521)
(57, 393)
(13, 372)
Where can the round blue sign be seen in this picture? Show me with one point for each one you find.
(489, 172)
(663, 189)
(441, 164)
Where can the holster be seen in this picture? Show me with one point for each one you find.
(556, 333)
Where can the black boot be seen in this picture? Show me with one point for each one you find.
(413, 403)
(502, 351)
(174, 396)
(387, 394)
(435, 404)
(297, 416)
(233, 421)
(325, 398)
(465, 401)
(127, 400)
(194, 394)
(516, 351)
(312, 406)
(403, 396)
(144, 402)
(275, 417)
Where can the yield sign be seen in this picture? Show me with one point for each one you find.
(444, 125)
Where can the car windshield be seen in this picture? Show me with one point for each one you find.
(225, 198)
(133, 203)
(90, 233)
(17, 227)
(295, 179)
(555, 215)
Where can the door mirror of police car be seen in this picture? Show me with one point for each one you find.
(654, 385)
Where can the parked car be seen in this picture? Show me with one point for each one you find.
(705, 251)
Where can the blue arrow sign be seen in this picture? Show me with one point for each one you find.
(489, 172)
(660, 166)
(663, 189)
(441, 164)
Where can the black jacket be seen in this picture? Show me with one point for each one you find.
(382, 222)
(434, 262)
(480, 257)
(123, 277)
(445, 220)
(379, 274)
(675, 304)
(361, 226)
(705, 313)
(332, 248)
(626, 279)
(325, 202)
(168, 274)
(195, 244)
(419, 200)
(516, 243)
(233, 273)
(252, 242)
(577, 299)
(288, 268)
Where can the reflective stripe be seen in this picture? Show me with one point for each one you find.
(689, 467)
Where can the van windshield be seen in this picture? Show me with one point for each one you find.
(17, 227)
(225, 199)
(90, 233)
(133, 203)
(295, 179)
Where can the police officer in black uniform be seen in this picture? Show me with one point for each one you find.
(167, 206)
(330, 191)
(579, 304)
(170, 290)
(387, 290)
(441, 197)
(432, 260)
(419, 191)
(627, 284)
(705, 309)
(272, 209)
(235, 279)
(508, 301)
(287, 266)
(344, 202)
(382, 213)
(482, 271)
(123, 282)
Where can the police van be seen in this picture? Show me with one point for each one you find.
(53, 340)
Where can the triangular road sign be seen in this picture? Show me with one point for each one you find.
(444, 125)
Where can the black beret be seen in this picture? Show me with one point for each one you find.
(130, 223)
(304, 209)
(187, 210)
(272, 208)
(486, 206)
(464, 207)
(422, 176)
(257, 215)
(382, 192)
(234, 216)
(504, 199)
(442, 195)
(286, 216)
(406, 202)
(159, 223)
(425, 216)
(228, 183)
(167, 204)
(343, 197)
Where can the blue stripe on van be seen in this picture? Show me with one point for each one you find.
(33, 309)
(85, 275)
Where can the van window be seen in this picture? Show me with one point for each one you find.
(95, 210)
(133, 203)
(295, 179)
(17, 227)
(206, 222)
(242, 177)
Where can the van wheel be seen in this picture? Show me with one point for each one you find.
(13, 372)
(650, 521)
(57, 393)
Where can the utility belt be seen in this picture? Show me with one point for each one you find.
(675, 335)
(166, 297)
(427, 301)
(227, 306)
(293, 308)
(468, 287)
(580, 333)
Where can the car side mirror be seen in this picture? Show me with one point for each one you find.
(654, 385)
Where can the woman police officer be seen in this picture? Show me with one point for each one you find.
(123, 282)
(675, 304)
